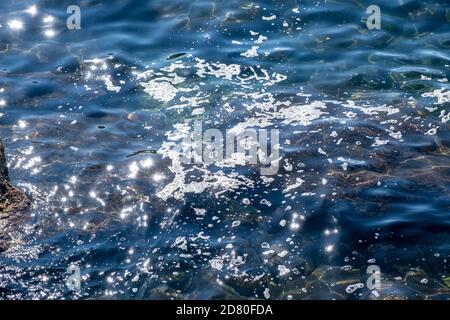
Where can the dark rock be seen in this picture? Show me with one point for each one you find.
(12, 203)
(3, 167)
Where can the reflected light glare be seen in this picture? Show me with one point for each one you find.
(134, 169)
(32, 10)
(2, 102)
(147, 163)
(22, 124)
(49, 33)
(295, 226)
(48, 19)
(15, 24)
(158, 177)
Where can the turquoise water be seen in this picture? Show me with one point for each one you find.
(89, 118)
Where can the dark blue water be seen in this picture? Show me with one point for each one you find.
(364, 173)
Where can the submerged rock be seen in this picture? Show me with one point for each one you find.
(12, 202)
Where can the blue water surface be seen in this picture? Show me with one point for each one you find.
(91, 117)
